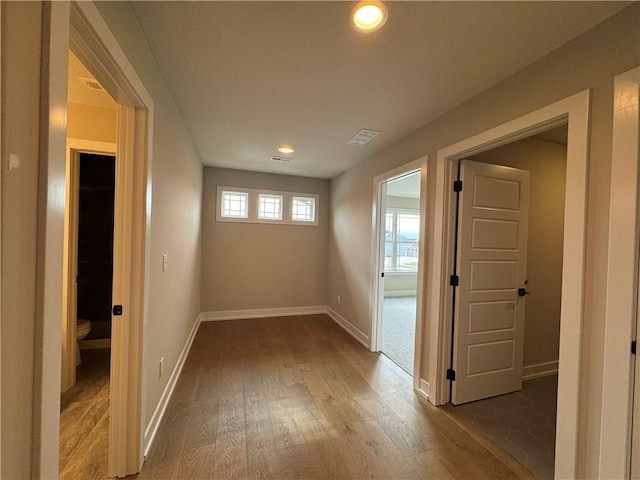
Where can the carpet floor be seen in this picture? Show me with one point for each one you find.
(398, 330)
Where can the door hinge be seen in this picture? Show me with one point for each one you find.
(633, 347)
(454, 280)
(451, 374)
(117, 310)
(457, 185)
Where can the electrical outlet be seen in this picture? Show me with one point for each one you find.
(339, 299)
(161, 368)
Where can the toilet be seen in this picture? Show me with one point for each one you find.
(83, 327)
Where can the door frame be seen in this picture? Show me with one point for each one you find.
(75, 147)
(1, 157)
(376, 266)
(80, 27)
(575, 111)
(621, 315)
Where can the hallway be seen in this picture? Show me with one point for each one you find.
(297, 397)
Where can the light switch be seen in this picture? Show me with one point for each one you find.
(164, 263)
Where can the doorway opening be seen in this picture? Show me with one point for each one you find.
(88, 277)
(401, 206)
(397, 265)
(506, 328)
(81, 29)
(574, 111)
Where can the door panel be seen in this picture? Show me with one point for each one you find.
(491, 263)
(494, 234)
(488, 316)
(492, 275)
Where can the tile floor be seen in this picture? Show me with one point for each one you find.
(84, 419)
(523, 423)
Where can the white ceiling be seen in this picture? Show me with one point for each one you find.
(250, 76)
(78, 92)
(407, 186)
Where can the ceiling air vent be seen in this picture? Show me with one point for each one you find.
(362, 137)
(281, 159)
(92, 84)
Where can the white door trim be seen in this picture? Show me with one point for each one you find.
(79, 26)
(1, 156)
(94, 44)
(51, 198)
(374, 302)
(622, 281)
(75, 146)
(575, 110)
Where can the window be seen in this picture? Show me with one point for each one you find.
(303, 209)
(401, 241)
(265, 206)
(235, 204)
(270, 207)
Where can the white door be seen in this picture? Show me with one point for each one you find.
(491, 264)
(635, 419)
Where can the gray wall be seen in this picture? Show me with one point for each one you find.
(174, 295)
(250, 266)
(21, 28)
(546, 161)
(589, 61)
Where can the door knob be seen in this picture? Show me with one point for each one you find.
(522, 292)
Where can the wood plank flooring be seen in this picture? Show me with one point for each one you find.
(84, 420)
(298, 398)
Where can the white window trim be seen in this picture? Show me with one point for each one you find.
(254, 206)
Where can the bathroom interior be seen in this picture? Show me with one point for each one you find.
(88, 257)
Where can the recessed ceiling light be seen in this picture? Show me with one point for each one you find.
(369, 16)
(286, 149)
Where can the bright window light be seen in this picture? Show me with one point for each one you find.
(235, 204)
(270, 207)
(303, 209)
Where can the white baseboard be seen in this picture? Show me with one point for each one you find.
(351, 329)
(152, 429)
(95, 343)
(423, 389)
(400, 293)
(539, 370)
(261, 313)
(287, 312)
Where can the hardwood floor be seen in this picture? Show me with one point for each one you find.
(298, 398)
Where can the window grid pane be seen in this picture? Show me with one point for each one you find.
(234, 204)
(303, 209)
(270, 207)
(401, 241)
